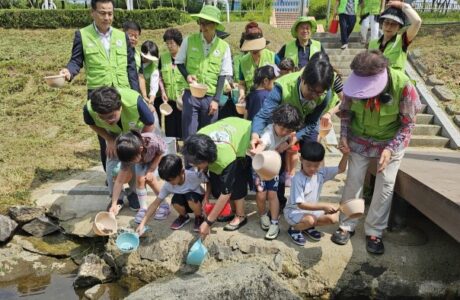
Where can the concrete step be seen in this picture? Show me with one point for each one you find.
(340, 52)
(424, 118)
(340, 64)
(344, 72)
(337, 44)
(329, 39)
(319, 35)
(426, 129)
(428, 141)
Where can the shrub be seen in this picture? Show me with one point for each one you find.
(318, 8)
(74, 18)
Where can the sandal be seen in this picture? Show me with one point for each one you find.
(163, 212)
(341, 237)
(233, 227)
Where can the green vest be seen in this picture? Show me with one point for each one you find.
(103, 70)
(137, 57)
(372, 7)
(393, 51)
(380, 125)
(343, 6)
(248, 66)
(205, 68)
(236, 66)
(291, 51)
(290, 94)
(148, 71)
(129, 113)
(173, 80)
(232, 137)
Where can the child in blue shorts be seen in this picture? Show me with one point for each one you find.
(303, 211)
(279, 136)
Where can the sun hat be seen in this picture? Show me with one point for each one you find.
(254, 43)
(394, 14)
(363, 87)
(210, 13)
(303, 19)
(148, 56)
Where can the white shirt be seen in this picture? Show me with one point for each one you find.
(305, 189)
(154, 82)
(192, 183)
(270, 139)
(226, 68)
(105, 38)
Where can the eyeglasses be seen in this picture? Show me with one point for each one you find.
(204, 22)
(315, 92)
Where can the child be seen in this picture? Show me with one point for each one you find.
(264, 79)
(278, 136)
(286, 66)
(150, 77)
(303, 211)
(187, 190)
(145, 151)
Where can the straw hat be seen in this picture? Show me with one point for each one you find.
(210, 13)
(254, 44)
(303, 19)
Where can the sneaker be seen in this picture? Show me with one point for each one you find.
(341, 237)
(180, 222)
(133, 202)
(313, 234)
(120, 204)
(140, 215)
(265, 222)
(297, 237)
(272, 232)
(344, 46)
(198, 221)
(374, 244)
(162, 212)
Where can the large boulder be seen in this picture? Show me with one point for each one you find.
(243, 281)
(7, 227)
(25, 214)
(56, 245)
(40, 227)
(93, 271)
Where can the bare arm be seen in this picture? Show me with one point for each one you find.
(150, 211)
(327, 208)
(123, 176)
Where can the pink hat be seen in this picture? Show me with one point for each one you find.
(362, 87)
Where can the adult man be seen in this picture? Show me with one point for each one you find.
(106, 54)
(378, 116)
(221, 148)
(111, 112)
(303, 47)
(205, 58)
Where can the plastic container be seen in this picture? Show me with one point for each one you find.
(323, 131)
(127, 242)
(166, 109)
(105, 224)
(235, 95)
(56, 81)
(225, 212)
(353, 208)
(198, 90)
(240, 108)
(267, 164)
(197, 254)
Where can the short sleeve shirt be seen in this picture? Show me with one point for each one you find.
(192, 183)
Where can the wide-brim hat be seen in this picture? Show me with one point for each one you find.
(363, 87)
(394, 14)
(210, 13)
(150, 57)
(254, 44)
(303, 19)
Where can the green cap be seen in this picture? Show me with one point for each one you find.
(210, 13)
(303, 19)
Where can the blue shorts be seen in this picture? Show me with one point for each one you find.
(141, 169)
(267, 185)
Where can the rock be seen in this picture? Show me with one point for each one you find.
(416, 53)
(276, 263)
(56, 245)
(93, 271)
(223, 252)
(7, 227)
(40, 227)
(420, 67)
(457, 120)
(433, 80)
(25, 214)
(443, 93)
(243, 281)
(453, 109)
(95, 292)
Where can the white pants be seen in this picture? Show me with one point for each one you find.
(369, 22)
(379, 210)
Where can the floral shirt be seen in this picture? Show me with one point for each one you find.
(154, 146)
(409, 106)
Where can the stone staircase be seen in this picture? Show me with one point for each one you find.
(426, 133)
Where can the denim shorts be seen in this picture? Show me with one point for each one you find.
(267, 185)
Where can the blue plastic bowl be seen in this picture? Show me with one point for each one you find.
(197, 254)
(127, 242)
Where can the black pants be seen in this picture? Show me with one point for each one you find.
(347, 23)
